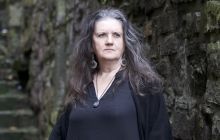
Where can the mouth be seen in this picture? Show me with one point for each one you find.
(109, 50)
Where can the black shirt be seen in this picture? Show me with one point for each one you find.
(114, 119)
(152, 117)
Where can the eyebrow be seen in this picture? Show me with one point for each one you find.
(105, 32)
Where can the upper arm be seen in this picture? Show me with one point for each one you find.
(56, 133)
(60, 129)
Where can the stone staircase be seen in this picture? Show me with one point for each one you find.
(17, 121)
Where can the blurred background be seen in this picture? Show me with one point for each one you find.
(36, 41)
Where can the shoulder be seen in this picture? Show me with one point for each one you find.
(153, 88)
(153, 104)
(152, 95)
(60, 129)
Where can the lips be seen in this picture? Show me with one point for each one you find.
(109, 50)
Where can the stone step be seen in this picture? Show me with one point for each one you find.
(8, 86)
(12, 101)
(17, 118)
(6, 63)
(15, 133)
(7, 74)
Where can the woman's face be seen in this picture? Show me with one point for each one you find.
(108, 42)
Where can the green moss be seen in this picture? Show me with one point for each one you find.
(54, 116)
(29, 2)
(214, 46)
(3, 89)
(103, 2)
(8, 89)
(212, 10)
(213, 7)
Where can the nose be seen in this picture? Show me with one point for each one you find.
(109, 40)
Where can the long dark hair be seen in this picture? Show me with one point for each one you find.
(138, 69)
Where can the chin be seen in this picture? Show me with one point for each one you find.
(111, 58)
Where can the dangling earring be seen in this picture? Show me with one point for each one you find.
(123, 61)
(93, 63)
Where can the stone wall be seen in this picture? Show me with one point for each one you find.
(184, 40)
(37, 37)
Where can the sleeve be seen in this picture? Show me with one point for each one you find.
(60, 129)
(160, 128)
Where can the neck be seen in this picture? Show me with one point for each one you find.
(108, 67)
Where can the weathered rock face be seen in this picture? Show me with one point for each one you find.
(212, 94)
(184, 47)
(179, 50)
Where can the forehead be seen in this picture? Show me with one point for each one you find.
(108, 24)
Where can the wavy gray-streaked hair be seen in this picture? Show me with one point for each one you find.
(138, 70)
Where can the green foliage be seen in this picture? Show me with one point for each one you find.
(212, 10)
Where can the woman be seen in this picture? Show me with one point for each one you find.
(115, 94)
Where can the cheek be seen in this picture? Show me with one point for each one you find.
(95, 44)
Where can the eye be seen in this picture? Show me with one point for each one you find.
(116, 35)
(101, 35)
